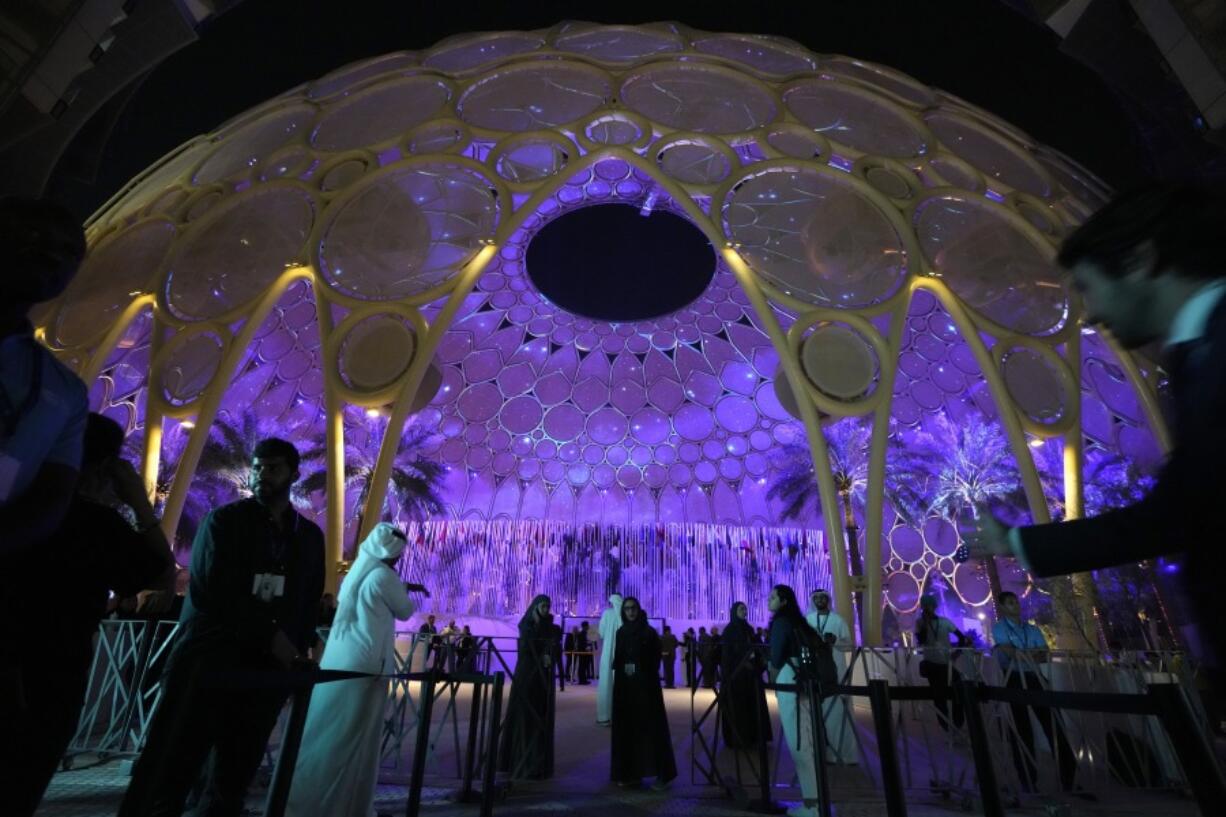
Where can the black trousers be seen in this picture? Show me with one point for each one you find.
(1024, 760)
(690, 675)
(36, 728)
(941, 677)
(201, 728)
(669, 670)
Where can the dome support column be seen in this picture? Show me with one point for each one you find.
(831, 515)
(412, 381)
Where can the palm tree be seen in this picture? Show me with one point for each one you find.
(848, 443)
(416, 481)
(197, 504)
(961, 467)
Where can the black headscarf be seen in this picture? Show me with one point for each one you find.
(632, 633)
(530, 626)
(738, 638)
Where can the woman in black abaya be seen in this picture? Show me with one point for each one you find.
(527, 733)
(642, 745)
(742, 701)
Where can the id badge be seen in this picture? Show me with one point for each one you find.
(545, 661)
(630, 669)
(268, 586)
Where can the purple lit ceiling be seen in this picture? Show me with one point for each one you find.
(854, 194)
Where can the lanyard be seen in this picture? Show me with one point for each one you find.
(10, 415)
(1015, 631)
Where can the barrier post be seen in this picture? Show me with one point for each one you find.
(1195, 754)
(291, 742)
(491, 755)
(980, 751)
(474, 729)
(817, 724)
(424, 710)
(887, 750)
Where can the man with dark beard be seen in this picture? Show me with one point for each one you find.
(256, 580)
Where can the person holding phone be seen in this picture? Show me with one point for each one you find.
(339, 763)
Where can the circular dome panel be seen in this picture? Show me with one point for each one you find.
(350, 76)
(112, 275)
(855, 118)
(816, 236)
(375, 353)
(839, 362)
(189, 367)
(234, 254)
(245, 148)
(406, 231)
(617, 44)
(698, 98)
(481, 50)
(380, 113)
(758, 53)
(898, 84)
(534, 97)
(988, 152)
(1035, 384)
(989, 263)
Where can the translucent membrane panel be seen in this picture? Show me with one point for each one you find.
(618, 44)
(189, 368)
(816, 236)
(377, 114)
(757, 53)
(482, 50)
(112, 275)
(540, 95)
(229, 260)
(119, 390)
(407, 231)
(992, 154)
(884, 78)
(992, 265)
(168, 170)
(254, 142)
(858, 119)
(698, 98)
(353, 75)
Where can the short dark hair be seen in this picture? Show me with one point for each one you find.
(275, 447)
(103, 439)
(1006, 594)
(1180, 220)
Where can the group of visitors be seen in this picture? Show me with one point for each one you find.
(1146, 266)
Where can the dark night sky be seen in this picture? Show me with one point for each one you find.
(978, 49)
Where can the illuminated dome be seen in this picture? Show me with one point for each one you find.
(331, 260)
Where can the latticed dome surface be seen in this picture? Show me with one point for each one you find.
(314, 259)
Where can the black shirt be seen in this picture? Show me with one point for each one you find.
(223, 615)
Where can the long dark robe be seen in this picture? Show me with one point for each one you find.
(742, 702)
(642, 745)
(526, 749)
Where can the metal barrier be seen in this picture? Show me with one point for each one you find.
(124, 687)
(919, 746)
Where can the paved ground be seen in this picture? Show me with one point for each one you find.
(579, 787)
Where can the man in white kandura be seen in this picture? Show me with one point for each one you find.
(610, 621)
(339, 762)
(840, 733)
